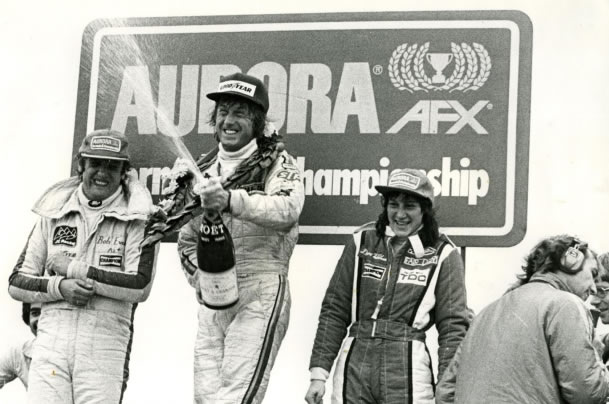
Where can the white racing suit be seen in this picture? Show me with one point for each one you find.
(236, 347)
(15, 363)
(81, 354)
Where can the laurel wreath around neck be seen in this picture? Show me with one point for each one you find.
(181, 203)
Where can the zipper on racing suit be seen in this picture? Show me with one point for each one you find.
(379, 303)
(375, 314)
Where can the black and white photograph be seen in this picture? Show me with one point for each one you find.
(319, 202)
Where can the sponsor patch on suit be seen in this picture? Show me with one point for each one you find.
(111, 261)
(413, 276)
(65, 235)
(373, 271)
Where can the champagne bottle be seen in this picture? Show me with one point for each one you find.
(216, 260)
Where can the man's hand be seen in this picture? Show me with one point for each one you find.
(316, 392)
(77, 291)
(57, 264)
(213, 196)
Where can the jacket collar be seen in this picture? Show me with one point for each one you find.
(551, 279)
(415, 240)
(62, 198)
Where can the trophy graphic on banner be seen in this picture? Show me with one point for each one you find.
(439, 61)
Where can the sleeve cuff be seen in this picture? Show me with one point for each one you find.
(77, 270)
(54, 287)
(227, 209)
(237, 201)
(319, 374)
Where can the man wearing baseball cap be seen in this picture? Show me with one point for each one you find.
(84, 263)
(257, 187)
(396, 278)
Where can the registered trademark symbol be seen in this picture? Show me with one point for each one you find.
(377, 69)
(489, 106)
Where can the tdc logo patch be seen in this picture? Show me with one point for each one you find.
(413, 276)
(65, 235)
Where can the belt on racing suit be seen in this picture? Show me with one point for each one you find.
(387, 329)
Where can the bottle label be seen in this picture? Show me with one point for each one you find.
(212, 231)
(219, 289)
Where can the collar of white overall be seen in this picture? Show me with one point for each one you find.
(94, 205)
(228, 161)
(91, 209)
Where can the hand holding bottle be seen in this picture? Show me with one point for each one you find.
(213, 195)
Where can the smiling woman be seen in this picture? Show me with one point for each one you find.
(404, 213)
(401, 270)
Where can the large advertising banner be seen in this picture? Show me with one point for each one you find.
(354, 96)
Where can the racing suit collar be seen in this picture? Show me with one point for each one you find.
(62, 198)
(240, 154)
(415, 240)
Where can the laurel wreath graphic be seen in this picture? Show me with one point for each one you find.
(471, 68)
(400, 73)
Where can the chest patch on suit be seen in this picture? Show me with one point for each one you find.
(65, 235)
(373, 271)
(110, 261)
(417, 276)
(288, 175)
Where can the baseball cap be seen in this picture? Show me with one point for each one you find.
(105, 144)
(408, 180)
(245, 86)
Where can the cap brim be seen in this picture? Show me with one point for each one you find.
(217, 95)
(105, 157)
(382, 189)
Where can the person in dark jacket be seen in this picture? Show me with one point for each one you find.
(534, 344)
(395, 279)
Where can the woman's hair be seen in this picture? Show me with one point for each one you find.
(257, 115)
(546, 256)
(429, 234)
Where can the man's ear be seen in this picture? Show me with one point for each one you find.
(382, 200)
